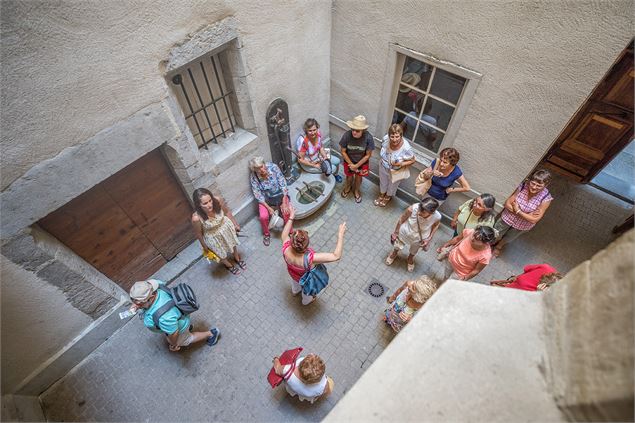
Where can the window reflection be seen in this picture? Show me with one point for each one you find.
(441, 112)
(418, 72)
(447, 86)
(428, 137)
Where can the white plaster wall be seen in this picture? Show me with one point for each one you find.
(539, 60)
(37, 321)
(71, 69)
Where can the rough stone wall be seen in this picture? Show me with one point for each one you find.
(539, 61)
(589, 336)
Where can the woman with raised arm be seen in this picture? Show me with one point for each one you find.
(296, 245)
(215, 228)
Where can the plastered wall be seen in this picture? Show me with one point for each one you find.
(539, 60)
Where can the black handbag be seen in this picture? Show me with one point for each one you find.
(273, 197)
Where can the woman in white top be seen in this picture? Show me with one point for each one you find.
(415, 229)
(308, 380)
(396, 153)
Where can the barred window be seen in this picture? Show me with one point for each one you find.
(206, 98)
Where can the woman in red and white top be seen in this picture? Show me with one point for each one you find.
(523, 209)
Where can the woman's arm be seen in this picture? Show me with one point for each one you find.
(397, 292)
(198, 230)
(228, 212)
(402, 219)
(476, 271)
(287, 226)
(278, 367)
(536, 215)
(455, 219)
(465, 186)
(337, 253)
(452, 241)
(509, 203)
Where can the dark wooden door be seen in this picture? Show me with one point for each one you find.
(129, 225)
(600, 129)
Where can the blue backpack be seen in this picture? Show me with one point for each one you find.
(314, 280)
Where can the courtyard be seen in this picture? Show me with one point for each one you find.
(133, 377)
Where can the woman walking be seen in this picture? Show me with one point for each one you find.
(215, 227)
(295, 246)
(474, 212)
(415, 229)
(396, 157)
(523, 209)
(407, 300)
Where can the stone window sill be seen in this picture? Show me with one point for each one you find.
(221, 156)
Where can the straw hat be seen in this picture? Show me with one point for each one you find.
(358, 123)
(410, 78)
(422, 289)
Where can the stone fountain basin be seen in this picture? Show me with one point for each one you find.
(303, 203)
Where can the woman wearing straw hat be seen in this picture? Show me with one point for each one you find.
(405, 301)
(357, 146)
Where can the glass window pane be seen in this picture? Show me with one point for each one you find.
(447, 86)
(439, 112)
(428, 137)
(416, 73)
(405, 99)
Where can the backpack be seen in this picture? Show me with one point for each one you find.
(183, 298)
(314, 280)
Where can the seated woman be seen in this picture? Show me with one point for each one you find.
(296, 245)
(311, 153)
(215, 228)
(406, 300)
(396, 154)
(308, 380)
(535, 277)
(444, 174)
(270, 189)
(474, 212)
(415, 229)
(523, 209)
(468, 253)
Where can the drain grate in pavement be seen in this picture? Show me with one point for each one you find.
(376, 289)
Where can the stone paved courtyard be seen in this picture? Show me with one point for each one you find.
(133, 377)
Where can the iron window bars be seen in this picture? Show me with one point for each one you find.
(206, 109)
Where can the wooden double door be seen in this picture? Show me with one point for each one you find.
(600, 129)
(129, 225)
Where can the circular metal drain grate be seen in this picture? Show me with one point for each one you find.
(376, 289)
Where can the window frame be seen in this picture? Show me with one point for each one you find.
(396, 60)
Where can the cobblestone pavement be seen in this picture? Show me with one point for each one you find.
(133, 376)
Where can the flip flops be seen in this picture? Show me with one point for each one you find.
(242, 264)
(345, 193)
(266, 240)
(358, 199)
(234, 270)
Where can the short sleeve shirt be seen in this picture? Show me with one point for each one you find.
(464, 258)
(312, 152)
(441, 183)
(171, 321)
(388, 156)
(274, 182)
(530, 279)
(468, 220)
(526, 205)
(356, 148)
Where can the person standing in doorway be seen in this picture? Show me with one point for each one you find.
(147, 297)
(357, 146)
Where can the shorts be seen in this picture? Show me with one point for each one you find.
(363, 170)
(184, 339)
(506, 232)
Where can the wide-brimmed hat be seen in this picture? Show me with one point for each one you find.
(422, 289)
(358, 123)
(409, 78)
(142, 290)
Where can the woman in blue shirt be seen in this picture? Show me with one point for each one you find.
(444, 175)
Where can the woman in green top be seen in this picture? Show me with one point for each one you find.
(475, 212)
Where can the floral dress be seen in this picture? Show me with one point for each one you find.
(220, 235)
(399, 313)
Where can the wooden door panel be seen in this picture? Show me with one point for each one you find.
(600, 129)
(150, 196)
(97, 229)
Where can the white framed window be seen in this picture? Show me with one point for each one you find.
(429, 97)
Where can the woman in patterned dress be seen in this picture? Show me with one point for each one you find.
(523, 209)
(405, 302)
(215, 227)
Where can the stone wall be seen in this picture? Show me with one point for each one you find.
(539, 61)
(589, 333)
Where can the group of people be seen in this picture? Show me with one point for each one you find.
(479, 233)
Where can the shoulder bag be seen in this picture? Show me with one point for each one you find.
(422, 185)
(286, 358)
(272, 197)
(314, 279)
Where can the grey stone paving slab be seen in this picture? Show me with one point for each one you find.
(133, 377)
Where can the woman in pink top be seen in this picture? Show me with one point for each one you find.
(294, 256)
(523, 209)
(470, 253)
(535, 277)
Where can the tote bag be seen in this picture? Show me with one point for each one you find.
(314, 280)
(286, 358)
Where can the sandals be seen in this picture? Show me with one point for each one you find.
(390, 259)
(358, 199)
(266, 240)
(411, 267)
(378, 200)
(242, 264)
(345, 193)
(213, 340)
(382, 201)
(234, 270)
